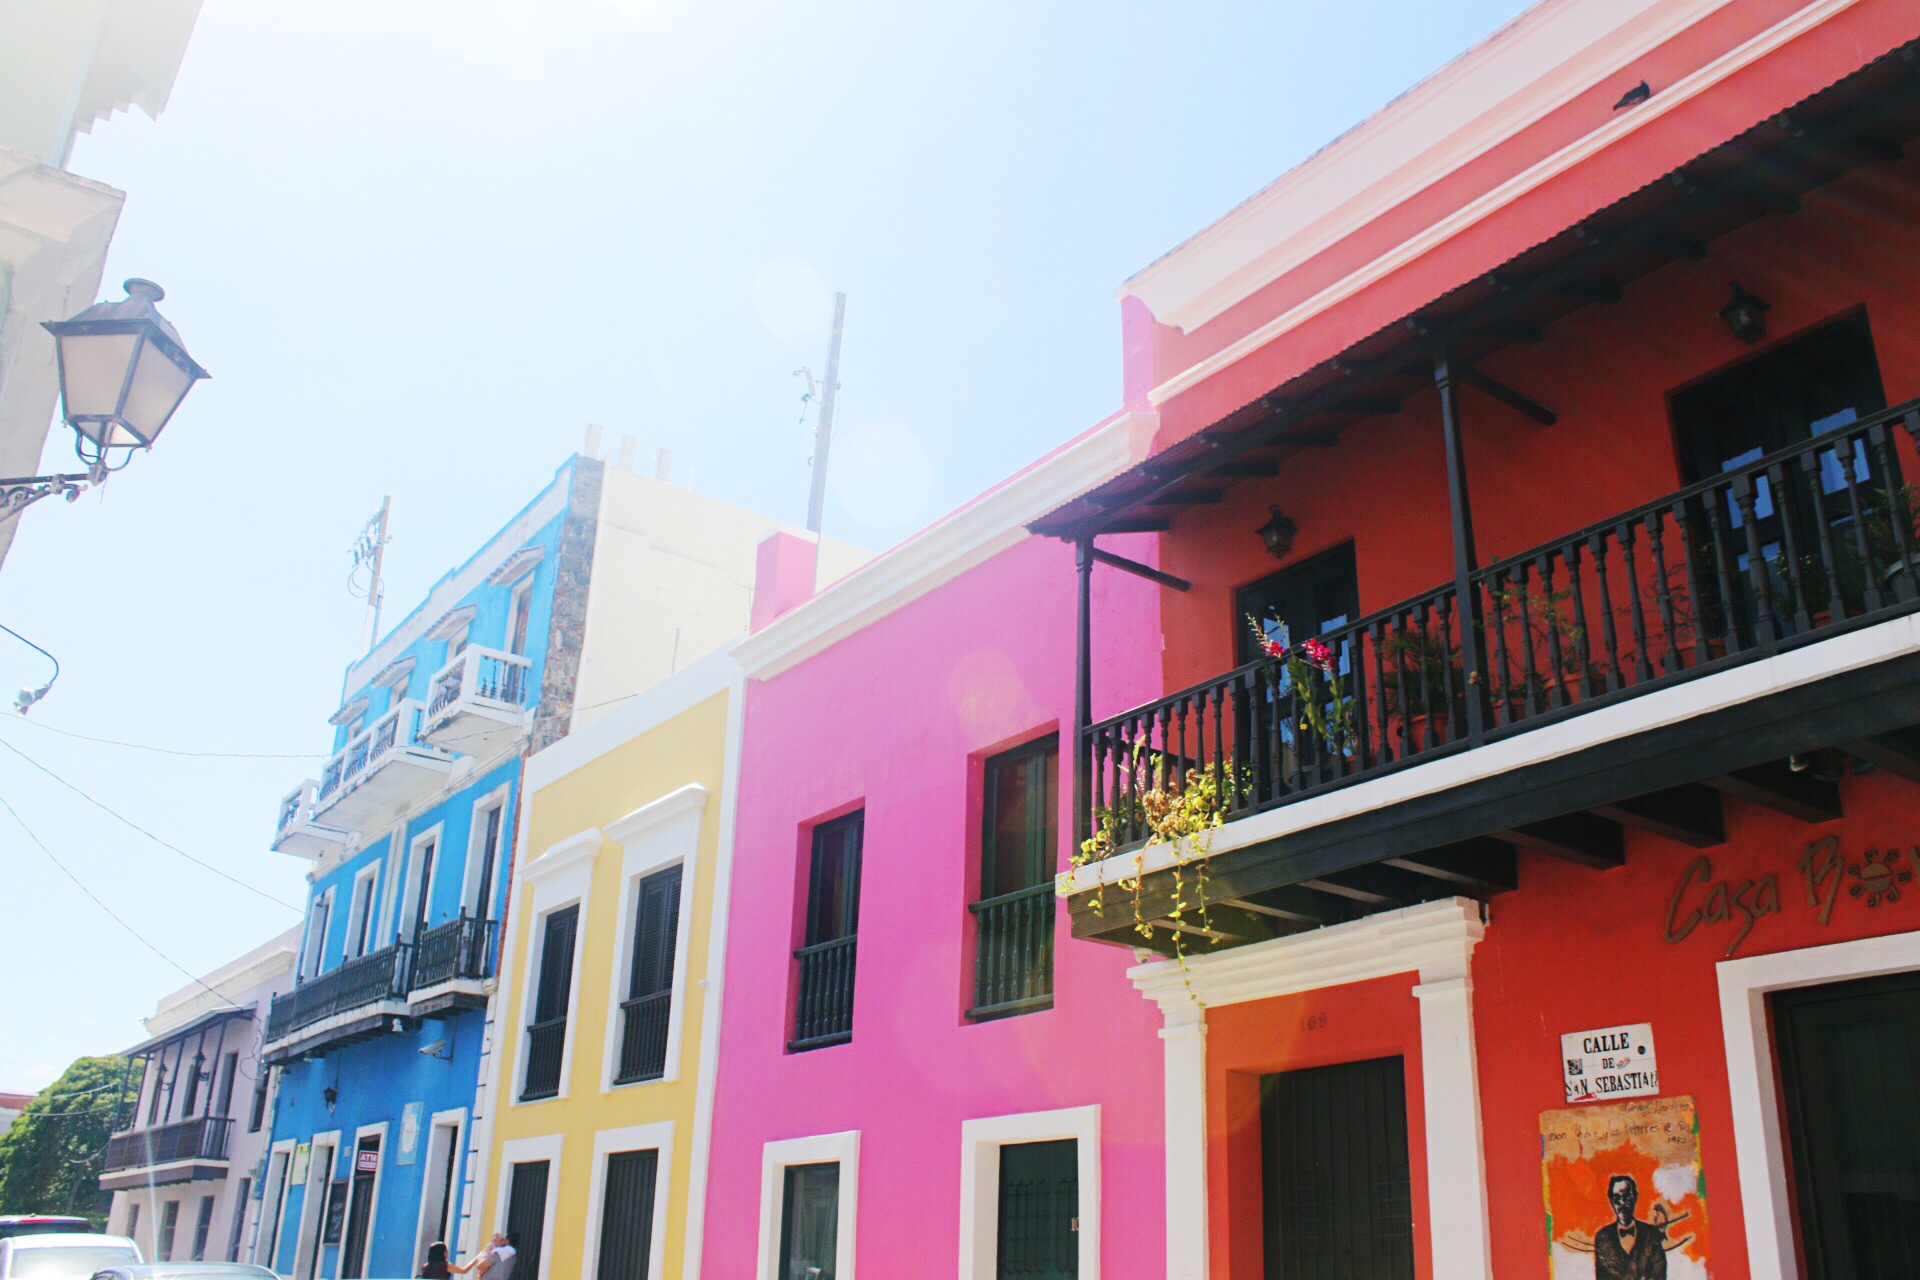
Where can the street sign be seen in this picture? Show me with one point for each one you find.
(1609, 1063)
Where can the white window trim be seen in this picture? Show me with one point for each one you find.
(652, 838)
(560, 877)
(395, 886)
(980, 1143)
(362, 921)
(1435, 941)
(458, 1119)
(827, 1148)
(319, 1175)
(548, 1147)
(284, 1147)
(410, 896)
(373, 1205)
(313, 950)
(1745, 985)
(476, 843)
(521, 590)
(607, 1142)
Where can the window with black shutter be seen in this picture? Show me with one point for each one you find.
(1338, 1201)
(824, 1007)
(626, 1215)
(527, 1216)
(1039, 1232)
(240, 1199)
(202, 1227)
(645, 1013)
(1019, 838)
(258, 1116)
(169, 1224)
(809, 1222)
(547, 1034)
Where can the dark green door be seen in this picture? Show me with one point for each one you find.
(1040, 1210)
(1338, 1202)
(1850, 1059)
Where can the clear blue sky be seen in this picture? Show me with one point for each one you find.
(422, 243)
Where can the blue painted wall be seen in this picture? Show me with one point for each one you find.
(376, 1079)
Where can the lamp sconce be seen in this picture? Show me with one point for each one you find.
(1278, 533)
(1746, 315)
(330, 1096)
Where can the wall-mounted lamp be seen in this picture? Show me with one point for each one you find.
(1278, 533)
(1746, 315)
(330, 1095)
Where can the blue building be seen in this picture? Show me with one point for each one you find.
(601, 586)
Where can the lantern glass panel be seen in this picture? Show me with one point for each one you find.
(158, 387)
(93, 368)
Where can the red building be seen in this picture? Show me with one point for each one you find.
(1562, 918)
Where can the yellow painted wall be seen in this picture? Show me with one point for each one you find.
(689, 747)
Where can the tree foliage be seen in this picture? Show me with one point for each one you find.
(52, 1155)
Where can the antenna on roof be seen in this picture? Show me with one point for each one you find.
(369, 551)
(823, 432)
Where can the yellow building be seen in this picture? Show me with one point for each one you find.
(598, 1086)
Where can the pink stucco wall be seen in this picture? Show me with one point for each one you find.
(898, 718)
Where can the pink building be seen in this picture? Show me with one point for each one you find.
(913, 1054)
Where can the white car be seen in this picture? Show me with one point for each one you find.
(63, 1255)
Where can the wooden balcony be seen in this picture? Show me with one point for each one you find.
(478, 702)
(450, 962)
(1795, 550)
(185, 1151)
(352, 1002)
(380, 771)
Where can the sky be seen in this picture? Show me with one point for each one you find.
(421, 244)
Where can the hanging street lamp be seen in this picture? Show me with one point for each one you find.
(123, 372)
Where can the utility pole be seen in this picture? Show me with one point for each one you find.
(371, 550)
(823, 433)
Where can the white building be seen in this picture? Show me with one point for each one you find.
(64, 66)
(185, 1167)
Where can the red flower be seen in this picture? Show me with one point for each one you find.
(1273, 648)
(1318, 654)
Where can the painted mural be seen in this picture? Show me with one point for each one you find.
(1626, 1197)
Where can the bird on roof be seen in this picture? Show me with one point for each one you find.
(1634, 96)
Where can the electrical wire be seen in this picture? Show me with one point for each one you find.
(81, 885)
(173, 751)
(148, 834)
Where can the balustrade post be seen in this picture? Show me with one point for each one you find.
(1472, 626)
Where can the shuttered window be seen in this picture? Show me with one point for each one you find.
(810, 1222)
(824, 1009)
(1039, 1238)
(626, 1215)
(169, 1223)
(1019, 843)
(527, 1216)
(547, 1034)
(1338, 1195)
(647, 1010)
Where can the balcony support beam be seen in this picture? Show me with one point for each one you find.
(1139, 570)
(1464, 562)
(1506, 395)
(1083, 557)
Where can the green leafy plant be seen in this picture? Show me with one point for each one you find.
(1308, 674)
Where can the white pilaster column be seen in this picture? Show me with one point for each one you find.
(1456, 1159)
(1184, 1042)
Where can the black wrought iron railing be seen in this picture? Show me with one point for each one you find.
(1781, 551)
(823, 1012)
(367, 980)
(460, 948)
(203, 1138)
(1013, 956)
(546, 1045)
(643, 1037)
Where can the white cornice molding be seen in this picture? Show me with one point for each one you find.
(573, 851)
(516, 564)
(1434, 940)
(690, 799)
(1243, 281)
(448, 624)
(969, 536)
(685, 689)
